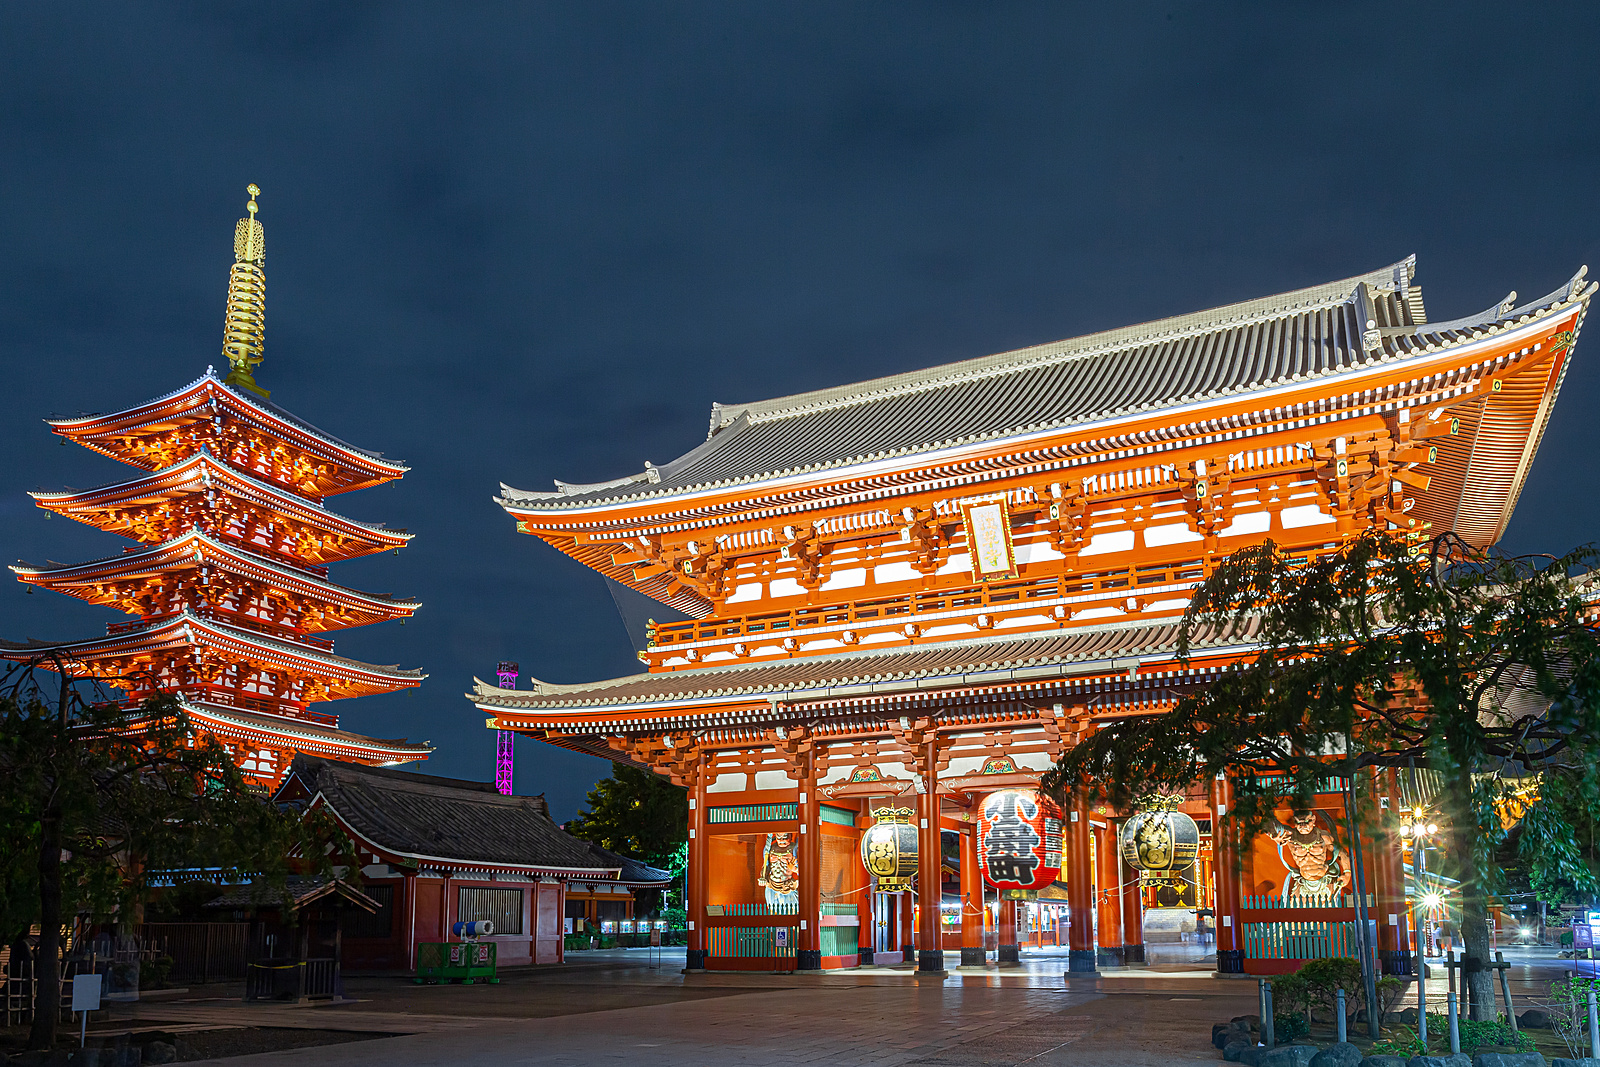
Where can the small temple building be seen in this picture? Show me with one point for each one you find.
(910, 596)
(437, 851)
(227, 578)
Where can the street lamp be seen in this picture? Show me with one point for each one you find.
(1419, 830)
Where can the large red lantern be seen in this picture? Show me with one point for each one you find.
(1019, 840)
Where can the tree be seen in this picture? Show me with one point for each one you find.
(636, 813)
(1383, 653)
(96, 796)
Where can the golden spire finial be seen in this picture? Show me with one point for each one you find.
(245, 330)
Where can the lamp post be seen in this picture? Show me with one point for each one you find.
(1419, 830)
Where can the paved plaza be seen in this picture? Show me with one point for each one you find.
(615, 1007)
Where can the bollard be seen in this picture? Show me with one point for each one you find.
(1269, 1022)
(1594, 1028)
(1505, 990)
(1338, 1015)
(1455, 1028)
(1422, 999)
(1261, 1007)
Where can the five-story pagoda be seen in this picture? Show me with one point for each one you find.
(229, 578)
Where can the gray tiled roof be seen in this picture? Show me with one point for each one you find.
(983, 661)
(634, 872)
(299, 891)
(1297, 336)
(445, 819)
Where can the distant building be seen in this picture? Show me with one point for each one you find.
(436, 851)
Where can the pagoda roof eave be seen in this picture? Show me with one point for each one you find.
(304, 734)
(183, 627)
(685, 482)
(197, 545)
(204, 462)
(996, 660)
(271, 415)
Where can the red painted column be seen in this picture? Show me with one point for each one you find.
(1108, 892)
(698, 849)
(1010, 947)
(1132, 907)
(809, 852)
(1080, 892)
(866, 912)
(972, 954)
(1225, 873)
(930, 955)
(1388, 875)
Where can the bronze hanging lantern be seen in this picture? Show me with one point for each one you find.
(1160, 842)
(889, 849)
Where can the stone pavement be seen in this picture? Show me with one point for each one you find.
(615, 1011)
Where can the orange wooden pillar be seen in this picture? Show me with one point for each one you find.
(972, 954)
(1108, 894)
(930, 955)
(1080, 891)
(1225, 872)
(1394, 955)
(808, 850)
(1010, 949)
(866, 900)
(699, 849)
(1132, 909)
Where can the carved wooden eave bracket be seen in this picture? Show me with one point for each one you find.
(677, 756)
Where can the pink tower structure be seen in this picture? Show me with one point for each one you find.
(504, 757)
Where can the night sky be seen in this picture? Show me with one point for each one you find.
(527, 242)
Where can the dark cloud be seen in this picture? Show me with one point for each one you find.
(521, 242)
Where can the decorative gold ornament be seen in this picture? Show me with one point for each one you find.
(245, 329)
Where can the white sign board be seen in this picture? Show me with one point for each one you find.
(86, 992)
(781, 937)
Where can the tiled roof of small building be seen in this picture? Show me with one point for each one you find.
(299, 891)
(445, 819)
(634, 872)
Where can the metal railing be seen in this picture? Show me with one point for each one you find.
(291, 979)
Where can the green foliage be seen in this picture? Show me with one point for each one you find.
(636, 813)
(1290, 993)
(97, 796)
(1475, 1035)
(1381, 654)
(1568, 1011)
(153, 974)
(1324, 977)
(1391, 990)
(1565, 939)
(1556, 845)
(1404, 1042)
(1286, 1026)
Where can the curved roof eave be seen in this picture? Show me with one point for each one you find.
(1424, 340)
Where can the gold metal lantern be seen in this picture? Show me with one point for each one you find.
(889, 849)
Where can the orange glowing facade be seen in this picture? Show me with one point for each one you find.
(918, 591)
(228, 574)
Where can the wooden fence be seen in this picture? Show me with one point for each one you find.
(1304, 940)
(205, 952)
